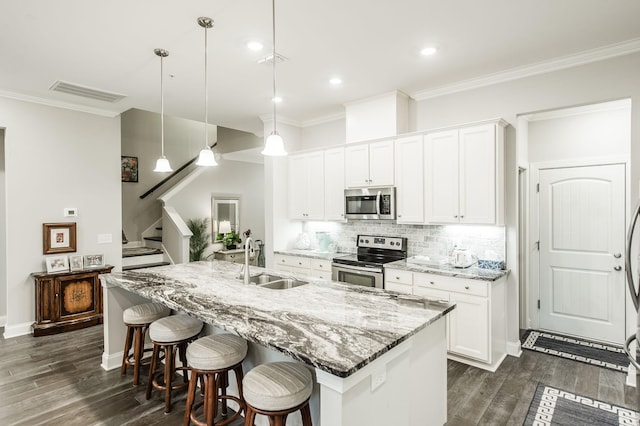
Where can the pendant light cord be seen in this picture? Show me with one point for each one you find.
(162, 104)
(206, 90)
(273, 15)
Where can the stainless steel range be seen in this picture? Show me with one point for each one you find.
(366, 267)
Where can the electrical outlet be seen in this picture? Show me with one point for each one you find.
(378, 378)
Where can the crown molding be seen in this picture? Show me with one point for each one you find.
(569, 61)
(284, 120)
(58, 104)
(378, 96)
(578, 110)
(326, 119)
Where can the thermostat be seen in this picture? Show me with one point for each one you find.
(72, 211)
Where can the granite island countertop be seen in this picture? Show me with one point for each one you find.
(334, 327)
(471, 272)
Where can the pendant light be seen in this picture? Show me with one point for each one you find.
(274, 146)
(162, 165)
(206, 157)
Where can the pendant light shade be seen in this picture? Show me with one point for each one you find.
(206, 157)
(162, 165)
(274, 145)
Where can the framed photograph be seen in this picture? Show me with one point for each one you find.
(75, 262)
(58, 237)
(93, 260)
(57, 263)
(129, 168)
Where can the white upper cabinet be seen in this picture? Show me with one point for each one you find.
(409, 168)
(464, 175)
(334, 184)
(369, 164)
(441, 177)
(306, 186)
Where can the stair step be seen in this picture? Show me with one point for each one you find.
(145, 265)
(159, 239)
(139, 251)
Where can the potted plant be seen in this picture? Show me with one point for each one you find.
(199, 240)
(230, 239)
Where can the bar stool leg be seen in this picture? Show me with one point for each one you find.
(168, 363)
(127, 347)
(223, 384)
(191, 396)
(249, 416)
(306, 415)
(138, 348)
(152, 370)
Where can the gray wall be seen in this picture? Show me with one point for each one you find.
(3, 235)
(56, 158)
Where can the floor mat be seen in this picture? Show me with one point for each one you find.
(600, 354)
(552, 406)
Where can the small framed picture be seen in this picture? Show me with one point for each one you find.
(57, 263)
(93, 260)
(58, 237)
(129, 168)
(75, 262)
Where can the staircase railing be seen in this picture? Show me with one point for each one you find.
(172, 175)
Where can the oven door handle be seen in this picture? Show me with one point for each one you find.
(378, 196)
(355, 268)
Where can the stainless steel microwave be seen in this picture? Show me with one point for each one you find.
(370, 203)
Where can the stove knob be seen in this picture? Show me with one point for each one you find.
(366, 241)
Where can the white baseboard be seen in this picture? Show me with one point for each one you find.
(17, 330)
(3, 320)
(111, 362)
(514, 348)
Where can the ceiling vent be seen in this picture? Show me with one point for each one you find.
(269, 59)
(85, 92)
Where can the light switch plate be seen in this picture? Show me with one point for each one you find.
(70, 212)
(105, 238)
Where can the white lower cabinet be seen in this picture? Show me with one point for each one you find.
(312, 267)
(476, 332)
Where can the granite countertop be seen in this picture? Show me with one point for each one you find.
(471, 272)
(335, 327)
(325, 255)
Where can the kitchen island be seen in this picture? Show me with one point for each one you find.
(379, 357)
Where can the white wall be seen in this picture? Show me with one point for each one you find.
(322, 135)
(56, 158)
(232, 178)
(3, 236)
(592, 134)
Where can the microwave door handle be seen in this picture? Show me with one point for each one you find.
(378, 196)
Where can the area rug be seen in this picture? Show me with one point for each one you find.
(551, 406)
(600, 354)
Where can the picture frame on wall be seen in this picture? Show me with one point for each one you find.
(58, 238)
(57, 263)
(129, 168)
(93, 260)
(75, 263)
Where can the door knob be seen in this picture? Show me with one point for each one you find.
(618, 268)
(617, 255)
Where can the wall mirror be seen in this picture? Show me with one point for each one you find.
(225, 214)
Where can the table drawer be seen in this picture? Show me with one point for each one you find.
(457, 285)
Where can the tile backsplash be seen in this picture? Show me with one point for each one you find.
(484, 241)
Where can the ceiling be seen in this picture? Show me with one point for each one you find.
(373, 46)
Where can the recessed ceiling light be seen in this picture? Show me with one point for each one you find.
(255, 45)
(277, 99)
(335, 81)
(427, 51)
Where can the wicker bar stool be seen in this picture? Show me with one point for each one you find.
(137, 319)
(170, 335)
(211, 358)
(276, 390)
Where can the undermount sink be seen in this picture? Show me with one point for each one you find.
(283, 284)
(264, 278)
(275, 282)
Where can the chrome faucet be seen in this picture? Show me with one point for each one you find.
(248, 248)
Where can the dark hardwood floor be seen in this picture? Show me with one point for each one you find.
(57, 380)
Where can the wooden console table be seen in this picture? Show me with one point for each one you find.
(68, 301)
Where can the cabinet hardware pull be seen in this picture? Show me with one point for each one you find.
(431, 282)
(618, 268)
(461, 216)
(466, 287)
(397, 278)
(455, 215)
(617, 255)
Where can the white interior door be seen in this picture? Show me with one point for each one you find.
(582, 228)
